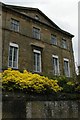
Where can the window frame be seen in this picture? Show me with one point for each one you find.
(64, 43)
(67, 74)
(35, 66)
(14, 46)
(36, 32)
(58, 70)
(53, 37)
(15, 25)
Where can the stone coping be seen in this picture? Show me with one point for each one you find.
(40, 97)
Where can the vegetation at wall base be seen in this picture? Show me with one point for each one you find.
(69, 85)
(26, 82)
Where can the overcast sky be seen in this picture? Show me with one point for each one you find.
(63, 12)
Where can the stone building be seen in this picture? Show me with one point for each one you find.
(31, 41)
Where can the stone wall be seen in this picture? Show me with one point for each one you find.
(52, 109)
(26, 107)
(25, 40)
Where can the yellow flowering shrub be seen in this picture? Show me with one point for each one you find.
(28, 82)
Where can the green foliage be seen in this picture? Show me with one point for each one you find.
(33, 83)
(28, 82)
(68, 84)
(77, 89)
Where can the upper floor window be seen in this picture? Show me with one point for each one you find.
(53, 40)
(13, 56)
(55, 65)
(37, 60)
(36, 33)
(64, 43)
(14, 25)
(66, 67)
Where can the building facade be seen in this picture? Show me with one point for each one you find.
(31, 41)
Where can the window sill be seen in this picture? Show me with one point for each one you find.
(15, 31)
(37, 72)
(15, 68)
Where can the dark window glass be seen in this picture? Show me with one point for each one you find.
(13, 57)
(37, 62)
(55, 66)
(36, 33)
(14, 25)
(66, 68)
(53, 40)
(64, 44)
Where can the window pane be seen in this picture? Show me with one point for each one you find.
(14, 25)
(15, 54)
(10, 56)
(37, 62)
(66, 68)
(55, 66)
(36, 33)
(10, 53)
(14, 64)
(15, 57)
(64, 44)
(53, 40)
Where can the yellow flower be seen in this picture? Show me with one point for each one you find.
(28, 80)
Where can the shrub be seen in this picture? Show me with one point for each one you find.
(28, 82)
(67, 84)
(77, 88)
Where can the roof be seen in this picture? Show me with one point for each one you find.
(18, 8)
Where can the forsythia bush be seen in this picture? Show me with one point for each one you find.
(28, 82)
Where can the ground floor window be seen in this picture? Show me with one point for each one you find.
(66, 67)
(13, 56)
(37, 60)
(55, 65)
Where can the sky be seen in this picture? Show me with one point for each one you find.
(62, 12)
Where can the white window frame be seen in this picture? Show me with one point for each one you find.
(15, 46)
(67, 60)
(55, 56)
(39, 52)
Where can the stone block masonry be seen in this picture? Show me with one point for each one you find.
(33, 107)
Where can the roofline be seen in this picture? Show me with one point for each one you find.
(30, 8)
(34, 9)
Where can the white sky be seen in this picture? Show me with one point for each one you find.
(63, 12)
